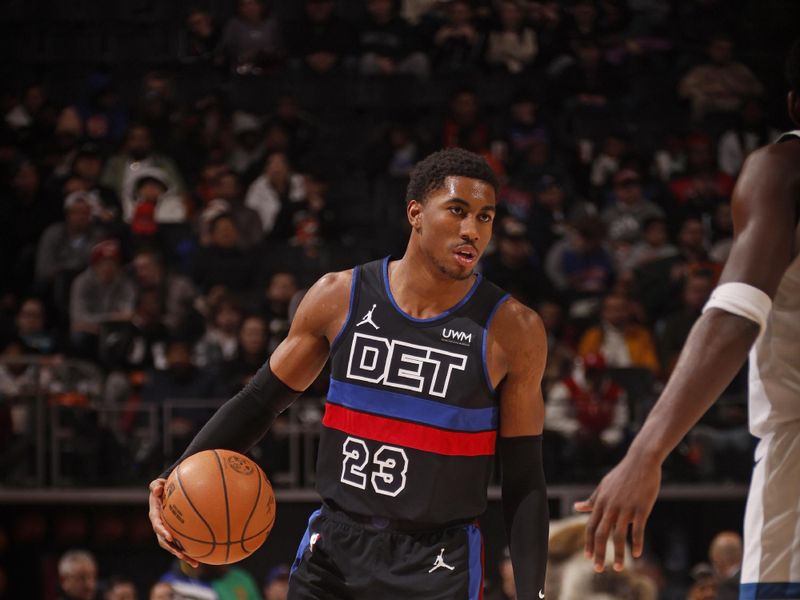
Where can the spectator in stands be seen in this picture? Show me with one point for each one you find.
(675, 328)
(64, 248)
(721, 85)
(248, 143)
(514, 266)
(176, 292)
(609, 160)
(212, 581)
(620, 341)
(654, 245)
(251, 353)
(629, 209)
(200, 39)
(88, 167)
(162, 591)
(251, 43)
(120, 588)
(220, 343)
(669, 159)
(659, 282)
(29, 110)
(77, 575)
(721, 233)
(512, 46)
(388, 44)
(273, 193)
(300, 125)
(462, 119)
(704, 583)
(725, 554)
(280, 290)
(590, 82)
(704, 185)
(560, 351)
(102, 293)
(138, 344)
(276, 584)
(750, 133)
(580, 267)
(182, 380)
(123, 169)
(590, 412)
(100, 116)
(20, 380)
(457, 43)
(222, 261)
(319, 41)
(30, 326)
(523, 123)
(229, 198)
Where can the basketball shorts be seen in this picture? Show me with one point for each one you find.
(346, 557)
(771, 566)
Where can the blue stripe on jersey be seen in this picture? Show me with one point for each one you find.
(452, 309)
(475, 545)
(411, 408)
(773, 591)
(353, 283)
(303, 543)
(486, 337)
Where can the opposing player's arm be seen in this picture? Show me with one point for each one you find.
(764, 215)
(518, 347)
(298, 360)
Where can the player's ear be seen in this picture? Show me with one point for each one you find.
(414, 212)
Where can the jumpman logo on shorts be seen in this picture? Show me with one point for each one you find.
(368, 318)
(439, 562)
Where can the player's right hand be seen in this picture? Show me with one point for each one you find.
(163, 535)
(625, 497)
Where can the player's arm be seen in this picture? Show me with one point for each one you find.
(518, 347)
(244, 419)
(764, 215)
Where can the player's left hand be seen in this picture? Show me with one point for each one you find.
(625, 496)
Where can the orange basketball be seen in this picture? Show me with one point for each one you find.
(219, 506)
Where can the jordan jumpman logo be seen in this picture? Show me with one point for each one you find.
(439, 562)
(368, 318)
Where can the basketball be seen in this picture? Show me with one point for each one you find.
(219, 506)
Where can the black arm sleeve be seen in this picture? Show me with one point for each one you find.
(245, 418)
(525, 512)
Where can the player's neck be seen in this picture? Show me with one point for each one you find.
(421, 289)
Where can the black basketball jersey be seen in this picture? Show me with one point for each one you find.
(411, 418)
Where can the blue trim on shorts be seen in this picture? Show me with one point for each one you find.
(475, 545)
(769, 591)
(303, 543)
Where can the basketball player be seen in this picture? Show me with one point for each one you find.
(429, 363)
(755, 309)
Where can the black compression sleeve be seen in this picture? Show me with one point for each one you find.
(245, 418)
(525, 512)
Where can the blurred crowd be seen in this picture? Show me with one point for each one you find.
(164, 235)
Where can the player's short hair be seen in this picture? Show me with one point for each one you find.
(793, 67)
(71, 558)
(429, 174)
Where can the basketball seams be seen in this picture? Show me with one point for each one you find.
(259, 533)
(252, 512)
(194, 508)
(227, 506)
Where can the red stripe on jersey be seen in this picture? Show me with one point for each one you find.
(410, 435)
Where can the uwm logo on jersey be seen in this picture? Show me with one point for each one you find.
(402, 365)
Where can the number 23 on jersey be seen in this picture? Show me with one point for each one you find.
(386, 472)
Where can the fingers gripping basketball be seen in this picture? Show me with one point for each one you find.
(219, 506)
